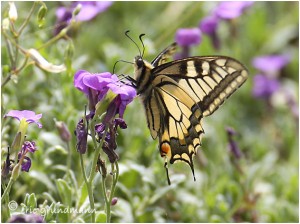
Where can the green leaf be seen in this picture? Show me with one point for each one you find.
(50, 211)
(26, 199)
(42, 178)
(83, 195)
(64, 191)
(63, 215)
(100, 217)
(32, 201)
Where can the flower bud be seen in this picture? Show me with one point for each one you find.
(12, 13)
(114, 201)
(41, 15)
(5, 24)
(77, 10)
(17, 143)
(81, 135)
(16, 172)
(63, 130)
(69, 52)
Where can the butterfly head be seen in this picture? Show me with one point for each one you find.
(141, 67)
(139, 62)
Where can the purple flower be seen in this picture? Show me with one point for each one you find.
(270, 63)
(28, 115)
(110, 144)
(209, 26)
(233, 147)
(264, 86)
(26, 218)
(188, 36)
(97, 85)
(231, 10)
(26, 161)
(29, 147)
(120, 122)
(26, 164)
(88, 11)
(126, 94)
(83, 81)
(100, 129)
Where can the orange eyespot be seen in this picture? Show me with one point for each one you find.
(165, 149)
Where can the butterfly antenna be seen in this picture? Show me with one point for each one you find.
(140, 37)
(126, 33)
(120, 61)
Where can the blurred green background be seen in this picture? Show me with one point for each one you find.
(266, 190)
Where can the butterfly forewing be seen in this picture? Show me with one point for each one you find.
(208, 80)
(178, 94)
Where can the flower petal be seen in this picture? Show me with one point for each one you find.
(270, 63)
(189, 36)
(90, 10)
(231, 9)
(28, 115)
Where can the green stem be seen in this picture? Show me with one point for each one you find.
(97, 152)
(5, 209)
(104, 193)
(10, 55)
(112, 191)
(89, 181)
(27, 19)
(62, 33)
(24, 64)
(69, 157)
(13, 42)
(89, 188)
(7, 190)
(6, 80)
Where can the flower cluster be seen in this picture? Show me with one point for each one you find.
(187, 37)
(96, 87)
(223, 12)
(269, 85)
(88, 11)
(25, 117)
(266, 82)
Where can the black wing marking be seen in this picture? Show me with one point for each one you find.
(164, 55)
